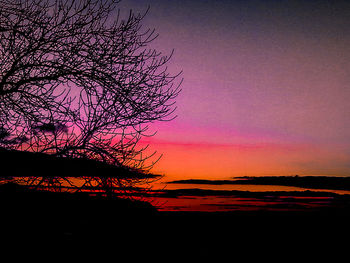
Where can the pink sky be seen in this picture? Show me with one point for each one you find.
(204, 157)
(266, 87)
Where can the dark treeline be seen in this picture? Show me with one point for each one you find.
(314, 182)
(21, 164)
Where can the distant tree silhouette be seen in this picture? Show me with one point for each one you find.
(76, 80)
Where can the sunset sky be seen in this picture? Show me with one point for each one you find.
(266, 87)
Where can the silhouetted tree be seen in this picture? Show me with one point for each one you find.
(76, 80)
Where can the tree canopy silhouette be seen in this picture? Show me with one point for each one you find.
(77, 80)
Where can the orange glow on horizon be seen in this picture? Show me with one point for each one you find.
(218, 161)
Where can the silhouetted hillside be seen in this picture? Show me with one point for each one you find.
(25, 211)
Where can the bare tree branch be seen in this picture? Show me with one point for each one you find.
(77, 81)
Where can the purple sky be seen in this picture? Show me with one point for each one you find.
(267, 75)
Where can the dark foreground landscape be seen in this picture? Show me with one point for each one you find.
(75, 217)
(32, 213)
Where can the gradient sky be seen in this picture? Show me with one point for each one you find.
(266, 87)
